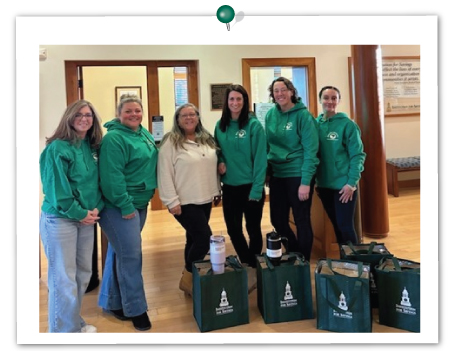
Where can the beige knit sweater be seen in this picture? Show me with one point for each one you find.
(187, 176)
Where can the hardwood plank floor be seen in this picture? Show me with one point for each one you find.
(171, 312)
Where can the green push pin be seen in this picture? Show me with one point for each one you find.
(225, 14)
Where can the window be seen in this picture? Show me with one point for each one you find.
(181, 91)
(258, 74)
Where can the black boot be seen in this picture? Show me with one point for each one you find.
(118, 314)
(141, 322)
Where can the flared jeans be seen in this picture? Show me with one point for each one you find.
(122, 284)
(68, 245)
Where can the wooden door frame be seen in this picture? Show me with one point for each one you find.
(308, 62)
(71, 73)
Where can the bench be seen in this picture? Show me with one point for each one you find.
(398, 165)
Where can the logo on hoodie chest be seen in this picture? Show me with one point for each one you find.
(95, 156)
(288, 126)
(333, 136)
(240, 134)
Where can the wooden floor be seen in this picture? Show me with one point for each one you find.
(171, 312)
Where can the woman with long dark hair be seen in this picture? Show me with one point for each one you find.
(242, 166)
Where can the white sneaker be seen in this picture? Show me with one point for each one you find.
(88, 328)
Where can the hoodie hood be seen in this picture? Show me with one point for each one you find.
(340, 115)
(115, 124)
(298, 106)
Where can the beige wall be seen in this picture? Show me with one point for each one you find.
(217, 64)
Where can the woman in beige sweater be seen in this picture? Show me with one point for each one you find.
(188, 183)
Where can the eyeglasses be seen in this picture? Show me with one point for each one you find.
(192, 115)
(282, 91)
(80, 115)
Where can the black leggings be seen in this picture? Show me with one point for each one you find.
(195, 218)
(283, 197)
(341, 214)
(236, 205)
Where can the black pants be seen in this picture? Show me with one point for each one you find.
(236, 206)
(195, 218)
(341, 214)
(283, 197)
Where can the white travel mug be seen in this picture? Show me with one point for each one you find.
(217, 253)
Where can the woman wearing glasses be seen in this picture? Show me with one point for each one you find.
(72, 201)
(128, 157)
(293, 143)
(188, 183)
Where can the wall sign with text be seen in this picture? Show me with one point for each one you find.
(401, 86)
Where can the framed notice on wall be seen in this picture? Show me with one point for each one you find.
(401, 86)
(261, 110)
(218, 95)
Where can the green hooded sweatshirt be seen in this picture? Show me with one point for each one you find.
(293, 143)
(341, 152)
(69, 175)
(244, 153)
(127, 167)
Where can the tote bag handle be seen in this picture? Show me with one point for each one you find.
(398, 268)
(369, 251)
(292, 257)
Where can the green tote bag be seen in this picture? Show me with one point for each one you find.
(398, 282)
(220, 300)
(342, 296)
(368, 253)
(284, 291)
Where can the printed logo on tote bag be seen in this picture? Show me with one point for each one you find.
(343, 306)
(405, 305)
(288, 300)
(224, 305)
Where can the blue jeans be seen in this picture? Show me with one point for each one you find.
(341, 214)
(68, 245)
(122, 283)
